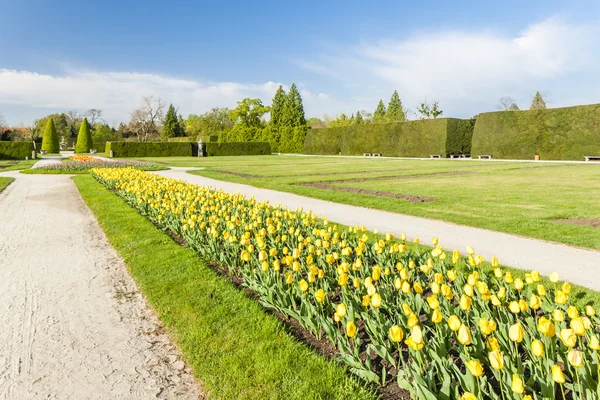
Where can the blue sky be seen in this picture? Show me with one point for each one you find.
(63, 55)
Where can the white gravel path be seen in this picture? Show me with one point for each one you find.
(577, 265)
(74, 324)
(45, 162)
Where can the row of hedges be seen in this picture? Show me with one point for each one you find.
(205, 138)
(567, 133)
(238, 149)
(150, 149)
(405, 139)
(15, 150)
(185, 149)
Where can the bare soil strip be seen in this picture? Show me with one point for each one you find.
(593, 222)
(378, 193)
(74, 323)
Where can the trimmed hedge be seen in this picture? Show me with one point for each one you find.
(405, 139)
(238, 149)
(150, 149)
(205, 139)
(15, 150)
(567, 133)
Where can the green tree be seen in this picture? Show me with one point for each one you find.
(84, 138)
(428, 111)
(379, 113)
(395, 111)
(359, 119)
(50, 138)
(249, 113)
(181, 123)
(278, 107)
(294, 110)
(212, 122)
(538, 102)
(171, 124)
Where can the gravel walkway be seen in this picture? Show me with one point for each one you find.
(74, 323)
(579, 266)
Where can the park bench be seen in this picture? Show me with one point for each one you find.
(435, 156)
(366, 154)
(372, 155)
(464, 156)
(485, 156)
(592, 158)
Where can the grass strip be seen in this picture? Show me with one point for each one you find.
(4, 182)
(237, 349)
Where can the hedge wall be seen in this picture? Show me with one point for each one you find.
(15, 150)
(205, 138)
(238, 149)
(150, 149)
(567, 133)
(407, 139)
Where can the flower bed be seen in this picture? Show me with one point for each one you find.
(442, 325)
(82, 164)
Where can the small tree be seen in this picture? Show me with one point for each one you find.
(538, 102)
(359, 119)
(428, 111)
(84, 139)
(278, 107)
(50, 138)
(379, 113)
(395, 111)
(171, 124)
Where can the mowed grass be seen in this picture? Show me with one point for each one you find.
(16, 165)
(4, 182)
(520, 198)
(236, 349)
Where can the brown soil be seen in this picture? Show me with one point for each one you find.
(593, 222)
(394, 177)
(250, 176)
(378, 193)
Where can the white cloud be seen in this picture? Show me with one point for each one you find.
(467, 71)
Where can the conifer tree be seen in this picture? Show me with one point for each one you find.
(171, 125)
(278, 107)
(359, 119)
(379, 111)
(84, 138)
(395, 111)
(50, 138)
(294, 110)
(538, 102)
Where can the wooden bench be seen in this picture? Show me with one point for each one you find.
(435, 156)
(592, 158)
(464, 156)
(485, 156)
(366, 154)
(372, 155)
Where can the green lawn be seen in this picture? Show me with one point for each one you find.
(236, 349)
(15, 165)
(4, 182)
(514, 197)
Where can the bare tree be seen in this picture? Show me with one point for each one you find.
(2, 124)
(146, 120)
(507, 103)
(94, 115)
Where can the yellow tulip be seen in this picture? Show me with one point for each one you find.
(412, 344)
(513, 306)
(523, 305)
(341, 310)
(406, 309)
(398, 283)
(557, 375)
(517, 384)
(366, 300)
(468, 396)
(560, 297)
(516, 333)
(536, 276)
(416, 334)
(594, 343)
(376, 273)
(496, 360)
(566, 287)
(455, 257)
(495, 301)
(541, 290)
(351, 329)
(498, 273)
(575, 358)
(535, 302)
(465, 302)
(546, 327)
(320, 295)
(474, 367)
(436, 317)
(589, 311)
(508, 278)
(376, 300)
(343, 279)
(519, 284)
(568, 337)
(356, 283)
(405, 287)
(454, 323)
(572, 312)
(487, 326)
(435, 241)
(537, 348)
(577, 326)
(495, 262)
(451, 274)
(396, 333)
(303, 285)
(412, 320)
(417, 287)
(492, 344)
(470, 250)
(464, 335)
(433, 302)
(554, 277)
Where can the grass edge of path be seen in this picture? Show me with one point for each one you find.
(4, 182)
(235, 348)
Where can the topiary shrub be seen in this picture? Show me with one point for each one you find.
(238, 149)
(459, 135)
(50, 138)
(150, 149)
(84, 138)
(15, 150)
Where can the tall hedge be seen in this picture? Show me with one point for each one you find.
(405, 139)
(567, 133)
(150, 149)
(238, 149)
(15, 150)
(50, 138)
(205, 138)
(84, 138)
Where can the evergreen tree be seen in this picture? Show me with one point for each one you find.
(395, 111)
(359, 119)
(50, 138)
(379, 111)
(171, 125)
(278, 107)
(181, 126)
(538, 102)
(84, 138)
(295, 109)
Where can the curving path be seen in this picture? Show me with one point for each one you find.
(74, 324)
(580, 266)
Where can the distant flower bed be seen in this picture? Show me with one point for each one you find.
(84, 158)
(86, 163)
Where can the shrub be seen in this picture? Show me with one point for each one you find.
(459, 136)
(406, 139)
(84, 138)
(567, 133)
(50, 138)
(238, 149)
(150, 149)
(15, 150)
